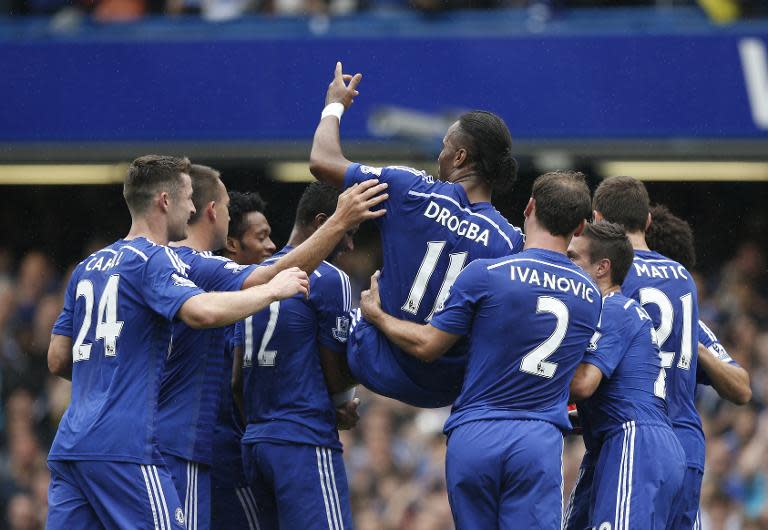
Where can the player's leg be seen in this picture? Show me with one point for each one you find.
(577, 513)
(310, 486)
(532, 483)
(193, 486)
(68, 507)
(685, 511)
(473, 464)
(261, 486)
(233, 507)
(638, 475)
(131, 496)
(372, 361)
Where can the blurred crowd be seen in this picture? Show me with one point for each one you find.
(131, 10)
(395, 456)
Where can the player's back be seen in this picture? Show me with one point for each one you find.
(534, 314)
(284, 392)
(118, 310)
(190, 388)
(633, 388)
(430, 233)
(667, 292)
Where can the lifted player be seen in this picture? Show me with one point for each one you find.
(434, 228)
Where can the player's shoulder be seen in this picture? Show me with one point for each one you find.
(330, 284)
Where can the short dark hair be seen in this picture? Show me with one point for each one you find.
(317, 198)
(671, 236)
(623, 200)
(150, 174)
(205, 188)
(240, 205)
(609, 241)
(562, 201)
(489, 146)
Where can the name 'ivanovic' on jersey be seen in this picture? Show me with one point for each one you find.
(552, 281)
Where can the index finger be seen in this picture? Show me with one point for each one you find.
(364, 185)
(337, 74)
(369, 191)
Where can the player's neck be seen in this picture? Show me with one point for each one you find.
(546, 241)
(197, 239)
(475, 189)
(299, 235)
(638, 240)
(147, 228)
(607, 287)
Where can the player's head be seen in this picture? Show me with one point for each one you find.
(248, 239)
(671, 236)
(158, 184)
(603, 250)
(479, 141)
(623, 200)
(560, 204)
(209, 194)
(317, 204)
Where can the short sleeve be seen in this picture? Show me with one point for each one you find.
(400, 179)
(63, 325)
(607, 347)
(217, 273)
(238, 334)
(711, 342)
(331, 297)
(166, 285)
(466, 293)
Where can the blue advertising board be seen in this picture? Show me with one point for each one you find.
(143, 87)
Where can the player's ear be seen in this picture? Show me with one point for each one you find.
(529, 207)
(604, 268)
(232, 245)
(164, 201)
(210, 211)
(648, 222)
(460, 158)
(580, 228)
(597, 216)
(318, 221)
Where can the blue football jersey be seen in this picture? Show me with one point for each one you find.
(190, 389)
(529, 319)
(633, 387)
(284, 391)
(227, 468)
(667, 292)
(708, 338)
(118, 308)
(430, 233)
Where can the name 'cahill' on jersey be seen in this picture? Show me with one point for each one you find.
(118, 308)
(666, 290)
(430, 233)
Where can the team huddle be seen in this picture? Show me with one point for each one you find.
(211, 374)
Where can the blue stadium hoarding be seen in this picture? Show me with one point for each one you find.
(698, 85)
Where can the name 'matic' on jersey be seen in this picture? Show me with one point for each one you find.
(530, 318)
(667, 292)
(430, 233)
(119, 307)
(284, 392)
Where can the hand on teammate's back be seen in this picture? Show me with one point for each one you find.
(370, 301)
(341, 92)
(354, 205)
(347, 416)
(289, 283)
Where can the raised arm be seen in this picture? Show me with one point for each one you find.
(214, 310)
(353, 207)
(422, 341)
(731, 382)
(326, 160)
